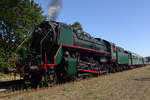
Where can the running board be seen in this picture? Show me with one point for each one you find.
(95, 72)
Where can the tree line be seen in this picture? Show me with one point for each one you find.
(17, 21)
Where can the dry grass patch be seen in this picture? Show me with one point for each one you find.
(8, 77)
(128, 85)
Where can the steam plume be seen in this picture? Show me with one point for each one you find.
(53, 9)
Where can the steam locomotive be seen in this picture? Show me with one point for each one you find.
(61, 52)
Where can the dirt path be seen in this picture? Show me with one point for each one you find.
(128, 85)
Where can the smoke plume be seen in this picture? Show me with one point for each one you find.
(53, 9)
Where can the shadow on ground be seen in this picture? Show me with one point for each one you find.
(143, 79)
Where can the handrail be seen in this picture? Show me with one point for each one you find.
(41, 44)
(58, 50)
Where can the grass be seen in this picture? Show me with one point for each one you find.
(8, 77)
(4, 77)
(127, 85)
(11, 95)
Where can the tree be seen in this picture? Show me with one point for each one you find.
(17, 21)
(77, 26)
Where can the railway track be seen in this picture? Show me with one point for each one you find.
(7, 87)
(11, 85)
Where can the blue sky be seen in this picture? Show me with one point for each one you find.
(123, 22)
